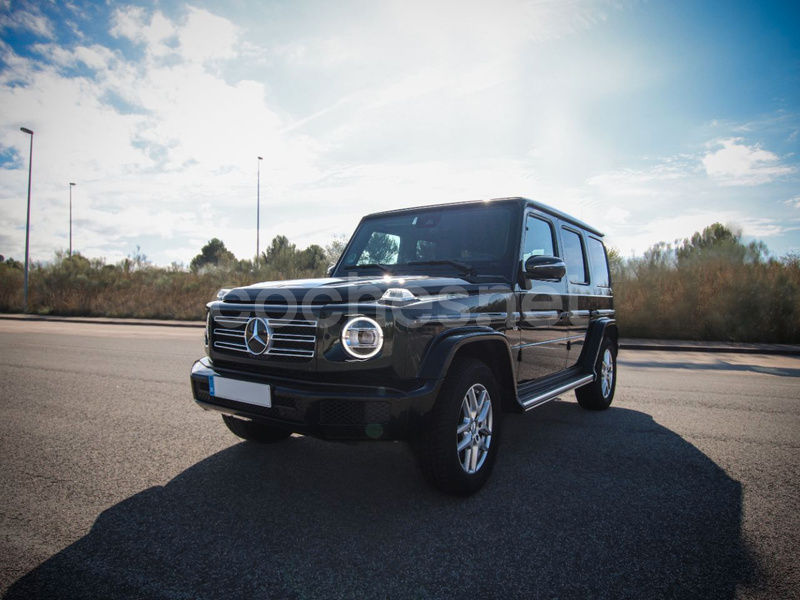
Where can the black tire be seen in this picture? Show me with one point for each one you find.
(255, 432)
(453, 421)
(599, 394)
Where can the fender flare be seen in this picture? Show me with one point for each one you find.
(599, 330)
(444, 347)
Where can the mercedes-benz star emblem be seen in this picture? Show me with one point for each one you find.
(256, 336)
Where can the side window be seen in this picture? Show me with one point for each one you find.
(574, 256)
(597, 254)
(538, 239)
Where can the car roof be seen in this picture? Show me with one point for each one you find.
(522, 202)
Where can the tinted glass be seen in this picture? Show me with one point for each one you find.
(480, 237)
(538, 239)
(597, 254)
(574, 256)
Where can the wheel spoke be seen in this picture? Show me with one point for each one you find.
(467, 461)
(473, 459)
(465, 442)
(473, 402)
(487, 406)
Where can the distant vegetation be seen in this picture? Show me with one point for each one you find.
(135, 288)
(709, 287)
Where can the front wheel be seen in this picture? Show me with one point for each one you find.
(599, 394)
(253, 431)
(458, 448)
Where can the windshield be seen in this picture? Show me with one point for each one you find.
(473, 241)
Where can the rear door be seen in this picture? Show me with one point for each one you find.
(597, 300)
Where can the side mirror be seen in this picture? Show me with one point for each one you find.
(330, 270)
(545, 268)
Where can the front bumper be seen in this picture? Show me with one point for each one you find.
(331, 411)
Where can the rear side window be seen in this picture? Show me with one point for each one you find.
(597, 255)
(574, 256)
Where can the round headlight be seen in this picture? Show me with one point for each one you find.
(362, 337)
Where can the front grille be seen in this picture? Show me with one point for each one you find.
(291, 340)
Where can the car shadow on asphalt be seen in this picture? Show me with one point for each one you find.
(581, 505)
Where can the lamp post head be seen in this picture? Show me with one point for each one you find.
(73, 183)
(260, 158)
(26, 130)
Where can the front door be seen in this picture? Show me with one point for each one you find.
(542, 348)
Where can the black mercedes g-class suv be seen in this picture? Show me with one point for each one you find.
(433, 323)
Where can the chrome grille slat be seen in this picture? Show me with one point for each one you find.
(293, 337)
(293, 352)
(229, 332)
(234, 320)
(300, 344)
(230, 346)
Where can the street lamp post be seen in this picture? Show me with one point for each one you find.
(258, 212)
(28, 222)
(71, 185)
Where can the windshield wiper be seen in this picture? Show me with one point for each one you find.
(463, 267)
(383, 268)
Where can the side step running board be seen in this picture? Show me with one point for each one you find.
(552, 394)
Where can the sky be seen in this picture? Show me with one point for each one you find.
(650, 120)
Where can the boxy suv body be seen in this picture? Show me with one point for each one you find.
(434, 322)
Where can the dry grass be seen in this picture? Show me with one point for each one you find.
(79, 287)
(725, 295)
(713, 299)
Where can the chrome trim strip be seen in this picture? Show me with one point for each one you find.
(561, 339)
(541, 315)
(553, 394)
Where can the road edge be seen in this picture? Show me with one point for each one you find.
(625, 344)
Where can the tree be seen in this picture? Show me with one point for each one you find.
(715, 242)
(280, 249)
(313, 258)
(334, 248)
(214, 253)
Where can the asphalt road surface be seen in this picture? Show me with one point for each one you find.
(113, 484)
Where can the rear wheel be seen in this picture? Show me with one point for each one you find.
(599, 394)
(253, 431)
(458, 449)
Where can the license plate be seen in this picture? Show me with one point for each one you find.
(248, 392)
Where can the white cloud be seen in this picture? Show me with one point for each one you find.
(27, 20)
(739, 164)
(206, 36)
(794, 202)
(645, 182)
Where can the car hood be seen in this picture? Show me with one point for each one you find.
(339, 290)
